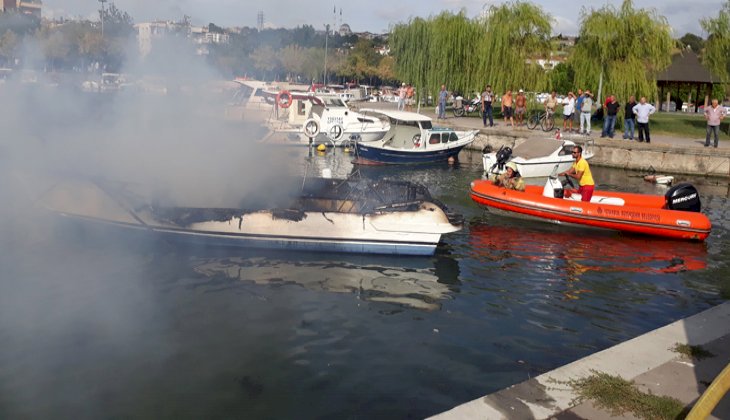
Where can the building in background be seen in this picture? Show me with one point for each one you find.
(28, 7)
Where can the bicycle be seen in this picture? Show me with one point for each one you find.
(544, 119)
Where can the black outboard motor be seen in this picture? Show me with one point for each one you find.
(503, 155)
(683, 197)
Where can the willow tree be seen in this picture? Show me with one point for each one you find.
(466, 54)
(514, 36)
(622, 49)
(717, 48)
(436, 51)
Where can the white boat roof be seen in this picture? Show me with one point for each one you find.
(397, 115)
(533, 148)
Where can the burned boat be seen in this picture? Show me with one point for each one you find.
(353, 215)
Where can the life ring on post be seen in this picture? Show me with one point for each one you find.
(311, 128)
(284, 99)
(416, 141)
(336, 133)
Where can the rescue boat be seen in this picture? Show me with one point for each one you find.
(675, 215)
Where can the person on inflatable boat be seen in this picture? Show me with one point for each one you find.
(511, 178)
(582, 172)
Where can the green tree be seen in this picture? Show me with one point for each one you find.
(717, 47)
(466, 54)
(8, 47)
(694, 42)
(117, 23)
(561, 78)
(265, 60)
(625, 46)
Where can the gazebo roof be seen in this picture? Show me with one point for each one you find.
(686, 67)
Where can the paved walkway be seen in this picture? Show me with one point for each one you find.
(472, 123)
(502, 128)
(648, 360)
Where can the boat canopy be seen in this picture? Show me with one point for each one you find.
(397, 115)
(536, 148)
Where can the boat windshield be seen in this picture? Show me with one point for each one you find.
(426, 125)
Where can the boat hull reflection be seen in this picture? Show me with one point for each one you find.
(585, 251)
(407, 282)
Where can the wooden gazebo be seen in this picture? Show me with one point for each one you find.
(686, 69)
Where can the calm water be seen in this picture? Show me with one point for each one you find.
(95, 328)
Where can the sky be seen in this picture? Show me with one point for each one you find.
(373, 15)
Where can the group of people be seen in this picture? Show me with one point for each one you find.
(580, 171)
(579, 109)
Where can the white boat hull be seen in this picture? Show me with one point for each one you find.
(408, 232)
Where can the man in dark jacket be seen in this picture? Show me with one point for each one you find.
(629, 119)
(609, 123)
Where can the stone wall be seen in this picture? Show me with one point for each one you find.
(630, 155)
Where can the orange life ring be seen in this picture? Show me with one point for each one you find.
(287, 102)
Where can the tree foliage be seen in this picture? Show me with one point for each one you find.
(466, 54)
(629, 46)
(694, 42)
(717, 47)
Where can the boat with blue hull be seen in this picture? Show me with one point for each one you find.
(314, 214)
(411, 139)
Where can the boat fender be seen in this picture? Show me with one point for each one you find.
(284, 99)
(311, 128)
(684, 197)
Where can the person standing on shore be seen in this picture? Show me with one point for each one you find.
(642, 112)
(520, 107)
(609, 123)
(402, 97)
(586, 108)
(629, 119)
(409, 97)
(568, 110)
(714, 114)
(578, 104)
(442, 102)
(487, 98)
(507, 108)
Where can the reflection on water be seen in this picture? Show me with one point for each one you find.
(414, 286)
(580, 251)
(238, 334)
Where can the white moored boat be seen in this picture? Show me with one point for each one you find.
(336, 122)
(534, 157)
(323, 215)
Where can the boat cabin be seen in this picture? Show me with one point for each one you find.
(410, 130)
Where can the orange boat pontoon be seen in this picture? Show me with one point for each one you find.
(675, 215)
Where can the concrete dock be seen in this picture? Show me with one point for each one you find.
(648, 360)
(665, 154)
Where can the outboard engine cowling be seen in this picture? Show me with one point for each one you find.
(683, 197)
(503, 155)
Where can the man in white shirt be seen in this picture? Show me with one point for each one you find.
(642, 110)
(714, 114)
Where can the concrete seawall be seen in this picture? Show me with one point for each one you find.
(663, 155)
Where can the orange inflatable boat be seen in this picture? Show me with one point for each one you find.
(675, 215)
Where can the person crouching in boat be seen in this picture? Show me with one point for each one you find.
(582, 172)
(511, 178)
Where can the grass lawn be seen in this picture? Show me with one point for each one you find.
(681, 124)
